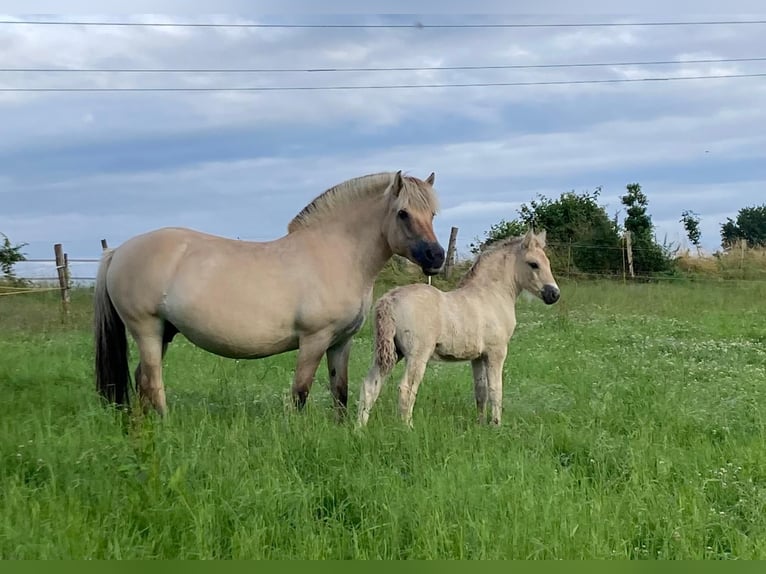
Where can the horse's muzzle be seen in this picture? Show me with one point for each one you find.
(429, 255)
(550, 294)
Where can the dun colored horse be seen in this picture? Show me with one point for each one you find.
(309, 290)
(474, 323)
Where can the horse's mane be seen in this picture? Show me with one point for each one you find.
(487, 253)
(415, 193)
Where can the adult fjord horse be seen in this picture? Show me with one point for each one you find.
(309, 290)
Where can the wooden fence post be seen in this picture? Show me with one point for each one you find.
(450, 260)
(104, 246)
(742, 250)
(629, 249)
(63, 272)
(67, 275)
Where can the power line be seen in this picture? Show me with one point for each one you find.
(387, 69)
(391, 86)
(415, 25)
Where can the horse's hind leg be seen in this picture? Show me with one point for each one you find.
(479, 367)
(151, 348)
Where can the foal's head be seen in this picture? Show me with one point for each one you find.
(532, 268)
(408, 223)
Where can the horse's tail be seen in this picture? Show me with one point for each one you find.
(386, 355)
(112, 370)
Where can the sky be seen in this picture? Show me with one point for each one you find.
(76, 167)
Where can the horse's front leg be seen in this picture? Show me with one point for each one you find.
(337, 367)
(310, 351)
(495, 361)
(479, 367)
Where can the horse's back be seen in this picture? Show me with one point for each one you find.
(142, 266)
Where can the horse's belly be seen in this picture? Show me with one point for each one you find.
(234, 331)
(240, 347)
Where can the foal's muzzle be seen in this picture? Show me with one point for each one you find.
(429, 255)
(550, 294)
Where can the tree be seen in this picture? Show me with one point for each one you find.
(691, 223)
(579, 231)
(496, 232)
(637, 221)
(10, 255)
(648, 256)
(750, 225)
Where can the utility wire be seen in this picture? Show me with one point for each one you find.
(390, 86)
(416, 25)
(387, 69)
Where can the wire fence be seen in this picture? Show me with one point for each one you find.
(745, 269)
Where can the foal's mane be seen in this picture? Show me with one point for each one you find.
(488, 253)
(415, 193)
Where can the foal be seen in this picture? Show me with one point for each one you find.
(473, 323)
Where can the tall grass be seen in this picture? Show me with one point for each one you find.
(737, 263)
(633, 428)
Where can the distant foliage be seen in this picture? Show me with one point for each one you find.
(750, 225)
(10, 255)
(583, 237)
(691, 222)
(648, 256)
(496, 232)
(580, 233)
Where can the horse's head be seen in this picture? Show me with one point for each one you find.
(408, 223)
(533, 269)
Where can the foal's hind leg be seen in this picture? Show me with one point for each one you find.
(408, 387)
(369, 393)
(479, 367)
(495, 362)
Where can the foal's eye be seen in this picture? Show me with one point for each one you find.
(403, 214)
(534, 265)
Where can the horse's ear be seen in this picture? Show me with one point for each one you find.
(397, 184)
(431, 178)
(541, 238)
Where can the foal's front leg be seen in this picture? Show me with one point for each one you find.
(479, 367)
(495, 362)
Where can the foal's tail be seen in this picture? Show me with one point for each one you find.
(112, 371)
(386, 355)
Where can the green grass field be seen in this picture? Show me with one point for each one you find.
(633, 428)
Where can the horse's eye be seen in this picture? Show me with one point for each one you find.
(534, 265)
(403, 214)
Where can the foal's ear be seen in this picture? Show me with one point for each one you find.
(529, 237)
(397, 184)
(541, 238)
(430, 179)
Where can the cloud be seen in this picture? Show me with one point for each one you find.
(80, 166)
(482, 208)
